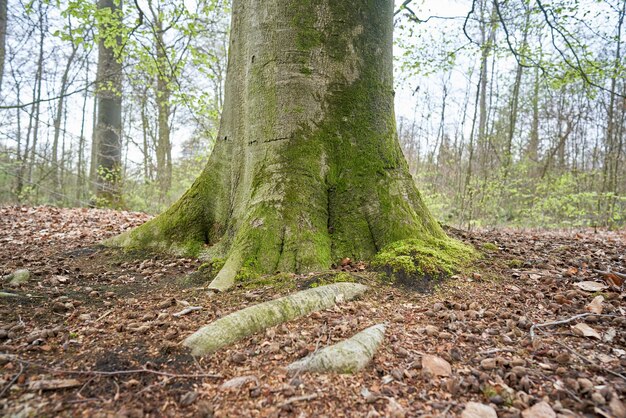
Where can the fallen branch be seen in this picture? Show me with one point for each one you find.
(298, 399)
(104, 315)
(608, 273)
(187, 310)
(563, 321)
(11, 357)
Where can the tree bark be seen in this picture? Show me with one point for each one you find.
(307, 168)
(108, 132)
(3, 36)
(163, 96)
(57, 124)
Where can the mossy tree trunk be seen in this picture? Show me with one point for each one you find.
(307, 168)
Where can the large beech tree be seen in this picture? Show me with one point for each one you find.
(307, 169)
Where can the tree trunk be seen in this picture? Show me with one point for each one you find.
(108, 133)
(307, 168)
(57, 125)
(3, 36)
(163, 96)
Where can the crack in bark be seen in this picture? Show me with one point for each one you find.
(369, 227)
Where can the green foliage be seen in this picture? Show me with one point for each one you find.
(524, 199)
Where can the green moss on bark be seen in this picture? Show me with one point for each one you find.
(415, 261)
(307, 168)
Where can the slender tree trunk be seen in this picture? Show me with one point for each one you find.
(163, 95)
(38, 82)
(3, 35)
(611, 159)
(307, 168)
(508, 152)
(57, 122)
(93, 159)
(532, 151)
(108, 131)
(80, 169)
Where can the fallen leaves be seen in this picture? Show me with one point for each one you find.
(585, 330)
(596, 305)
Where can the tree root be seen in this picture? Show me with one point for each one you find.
(253, 319)
(347, 356)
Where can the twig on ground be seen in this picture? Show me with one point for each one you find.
(11, 357)
(564, 321)
(576, 353)
(496, 350)
(104, 315)
(608, 273)
(8, 386)
(187, 310)
(298, 399)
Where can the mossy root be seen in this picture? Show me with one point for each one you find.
(225, 278)
(347, 356)
(248, 321)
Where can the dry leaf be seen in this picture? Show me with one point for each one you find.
(614, 280)
(591, 286)
(596, 305)
(585, 331)
(436, 366)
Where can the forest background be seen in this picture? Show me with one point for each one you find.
(510, 113)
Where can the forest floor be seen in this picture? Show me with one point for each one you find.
(92, 333)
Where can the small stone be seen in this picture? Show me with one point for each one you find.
(478, 410)
(488, 364)
(436, 366)
(540, 410)
(445, 336)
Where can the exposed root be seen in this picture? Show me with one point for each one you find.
(253, 319)
(348, 356)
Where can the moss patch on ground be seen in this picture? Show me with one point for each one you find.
(421, 263)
